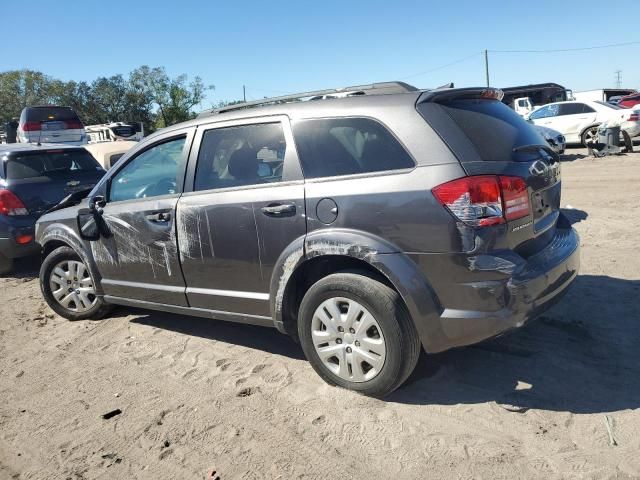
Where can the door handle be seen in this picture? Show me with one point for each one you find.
(158, 217)
(279, 210)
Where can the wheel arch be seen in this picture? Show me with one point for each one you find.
(60, 235)
(329, 251)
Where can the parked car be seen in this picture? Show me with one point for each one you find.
(32, 180)
(578, 121)
(114, 131)
(51, 124)
(630, 101)
(615, 100)
(554, 138)
(108, 153)
(367, 227)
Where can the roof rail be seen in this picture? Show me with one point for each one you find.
(370, 89)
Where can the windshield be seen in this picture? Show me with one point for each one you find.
(46, 114)
(494, 129)
(49, 162)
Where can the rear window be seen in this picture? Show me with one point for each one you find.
(47, 114)
(50, 162)
(346, 146)
(493, 128)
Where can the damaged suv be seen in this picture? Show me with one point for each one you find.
(367, 227)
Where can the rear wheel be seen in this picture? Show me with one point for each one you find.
(590, 136)
(68, 287)
(357, 334)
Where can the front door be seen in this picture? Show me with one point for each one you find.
(246, 207)
(137, 257)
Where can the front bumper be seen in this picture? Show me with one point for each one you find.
(531, 290)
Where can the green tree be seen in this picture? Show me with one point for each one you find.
(174, 98)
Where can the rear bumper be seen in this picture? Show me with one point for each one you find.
(10, 249)
(506, 303)
(12, 227)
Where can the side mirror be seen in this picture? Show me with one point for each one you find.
(97, 204)
(88, 224)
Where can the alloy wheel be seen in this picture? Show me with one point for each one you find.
(348, 339)
(72, 287)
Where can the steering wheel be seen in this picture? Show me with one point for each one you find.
(161, 187)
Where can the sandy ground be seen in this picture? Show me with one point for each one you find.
(198, 394)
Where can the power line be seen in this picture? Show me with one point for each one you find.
(441, 66)
(611, 45)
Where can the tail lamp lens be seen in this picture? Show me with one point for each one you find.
(24, 239)
(31, 126)
(11, 205)
(485, 200)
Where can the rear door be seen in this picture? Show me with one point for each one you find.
(575, 117)
(43, 177)
(245, 207)
(138, 258)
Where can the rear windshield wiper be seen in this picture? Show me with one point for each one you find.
(534, 147)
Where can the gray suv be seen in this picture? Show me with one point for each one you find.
(366, 227)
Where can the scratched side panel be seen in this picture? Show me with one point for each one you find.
(218, 244)
(139, 259)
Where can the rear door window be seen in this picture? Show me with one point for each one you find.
(493, 128)
(241, 156)
(48, 163)
(345, 146)
(571, 108)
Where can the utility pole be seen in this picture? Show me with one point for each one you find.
(244, 93)
(618, 78)
(486, 65)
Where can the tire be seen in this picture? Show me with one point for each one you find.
(6, 264)
(626, 140)
(585, 137)
(79, 306)
(383, 333)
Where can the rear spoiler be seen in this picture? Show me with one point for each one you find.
(441, 95)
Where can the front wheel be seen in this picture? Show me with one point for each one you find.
(68, 287)
(357, 334)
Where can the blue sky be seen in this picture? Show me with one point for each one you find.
(280, 47)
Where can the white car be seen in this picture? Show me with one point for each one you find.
(108, 153)
(578, 121)
(51, 124)
(554, 138)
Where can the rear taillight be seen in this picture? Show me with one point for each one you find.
(485, 200)
(73, 124)
(24, 239)
(515, 197)
(634, 117)
(31, 126)
(11, 205)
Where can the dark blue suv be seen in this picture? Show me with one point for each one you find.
(33, 178)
